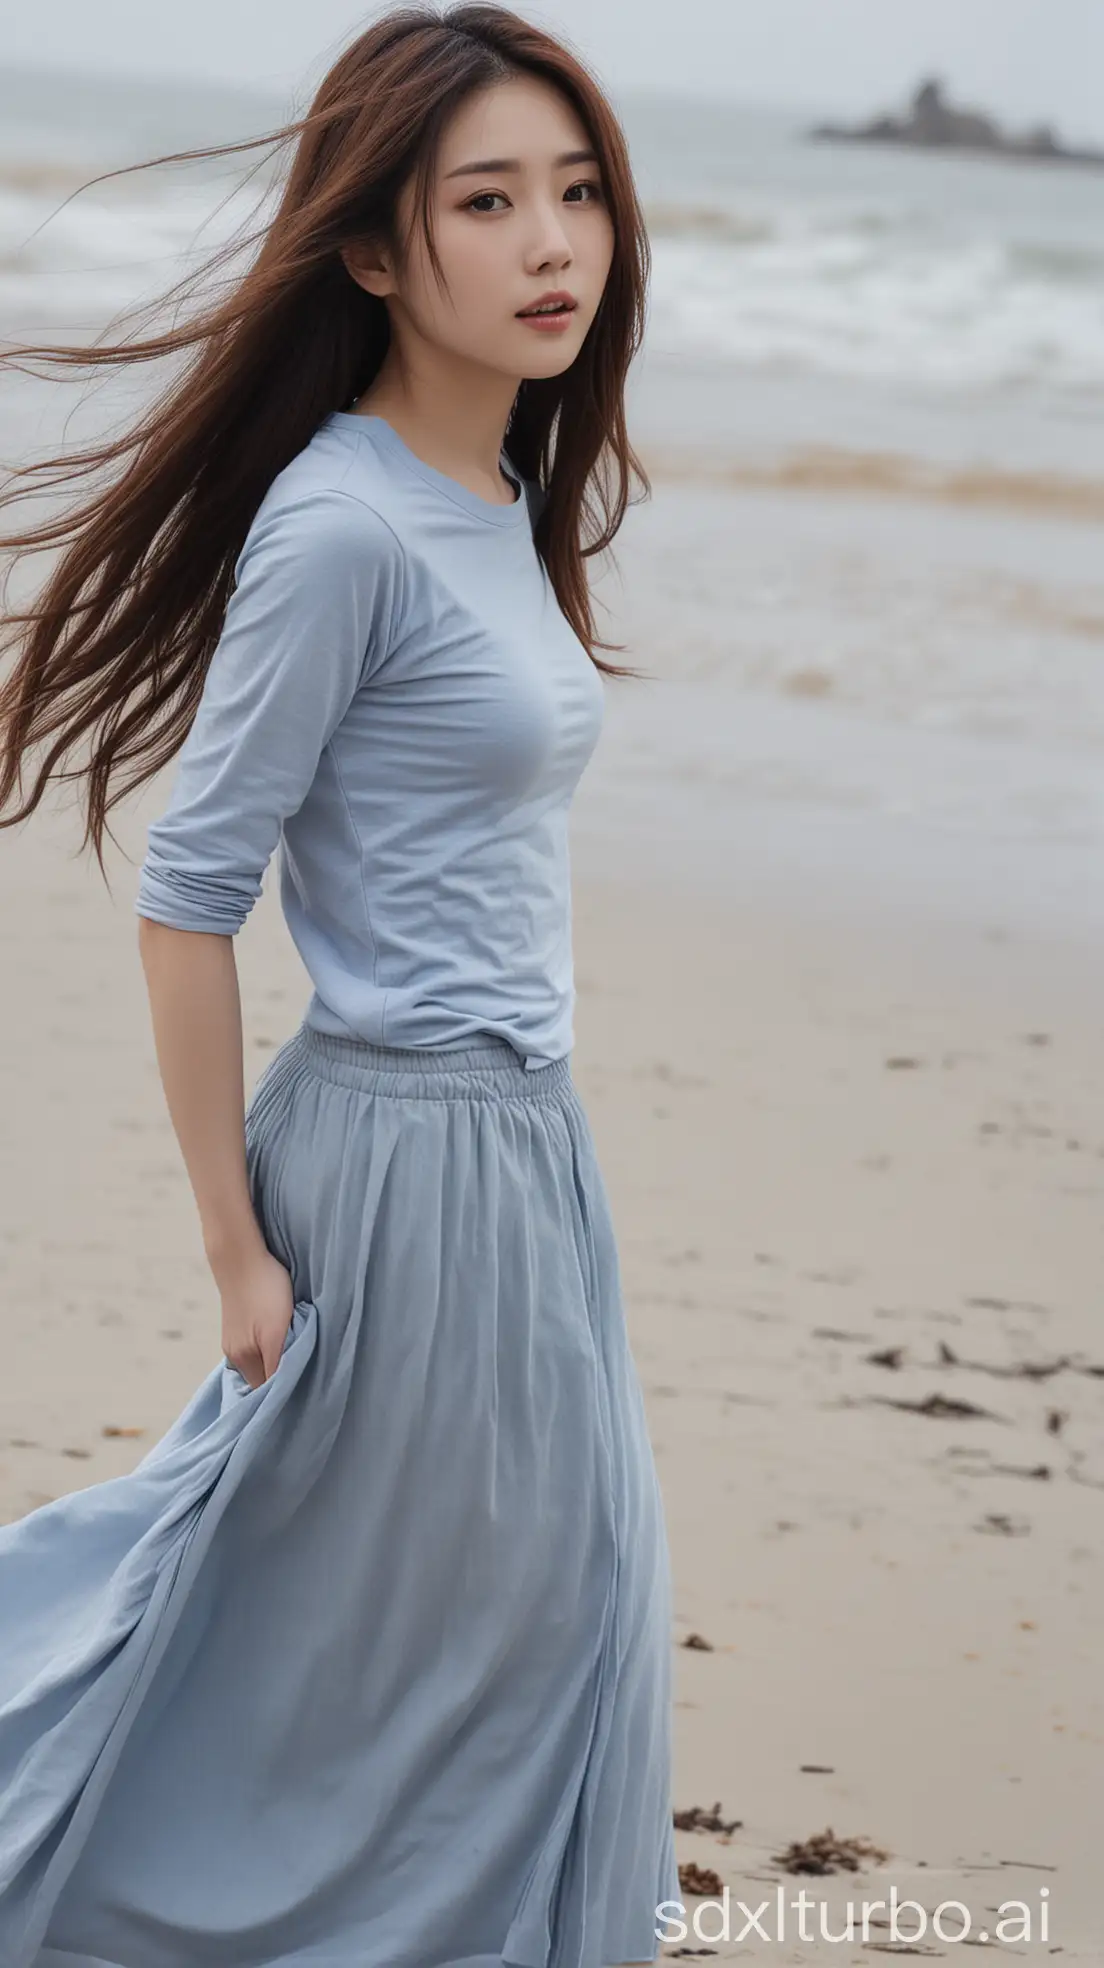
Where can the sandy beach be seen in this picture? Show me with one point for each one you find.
(858, 1185)
(852, 1174)
(839, 951)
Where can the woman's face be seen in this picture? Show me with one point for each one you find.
(517, 209)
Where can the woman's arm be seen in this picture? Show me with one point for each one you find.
(311, 619)
(195, 1006)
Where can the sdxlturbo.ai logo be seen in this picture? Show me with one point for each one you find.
(1016, 1924)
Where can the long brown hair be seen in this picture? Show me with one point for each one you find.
(115, 647)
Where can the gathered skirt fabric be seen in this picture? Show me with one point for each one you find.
(367, 1667)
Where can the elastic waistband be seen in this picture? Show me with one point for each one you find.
(490, 1066)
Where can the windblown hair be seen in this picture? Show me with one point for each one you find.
(112, 652)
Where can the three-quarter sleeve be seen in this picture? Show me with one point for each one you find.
(313, 613)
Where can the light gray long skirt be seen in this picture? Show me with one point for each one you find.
(368, 1667)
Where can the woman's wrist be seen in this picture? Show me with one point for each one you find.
(232, 1244)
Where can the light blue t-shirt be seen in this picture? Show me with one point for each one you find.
(398, 703)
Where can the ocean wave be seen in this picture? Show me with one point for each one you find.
(1058, 265)
(899, 295)
(895, 292)
(83, 258)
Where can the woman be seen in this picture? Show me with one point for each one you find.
(366, 1665)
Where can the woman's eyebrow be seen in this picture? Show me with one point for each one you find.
(514, 163)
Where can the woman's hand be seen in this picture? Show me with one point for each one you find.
(257, 1306)
(196, 1007)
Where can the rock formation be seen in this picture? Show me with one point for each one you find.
(933, 124)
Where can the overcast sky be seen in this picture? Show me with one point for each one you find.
(1026, 59)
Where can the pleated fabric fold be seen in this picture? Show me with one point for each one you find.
(368, 1667)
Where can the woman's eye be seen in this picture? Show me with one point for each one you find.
(585, 184)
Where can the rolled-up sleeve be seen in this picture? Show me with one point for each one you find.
(315, 609)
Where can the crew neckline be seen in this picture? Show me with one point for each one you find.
(379, 431)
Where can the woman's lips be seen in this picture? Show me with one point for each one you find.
(554, 321)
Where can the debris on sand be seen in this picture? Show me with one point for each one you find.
(699, 1880)
(825, 1852)
(940, 1407)
(697, 1818)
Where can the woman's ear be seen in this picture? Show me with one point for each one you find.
(366, 265)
